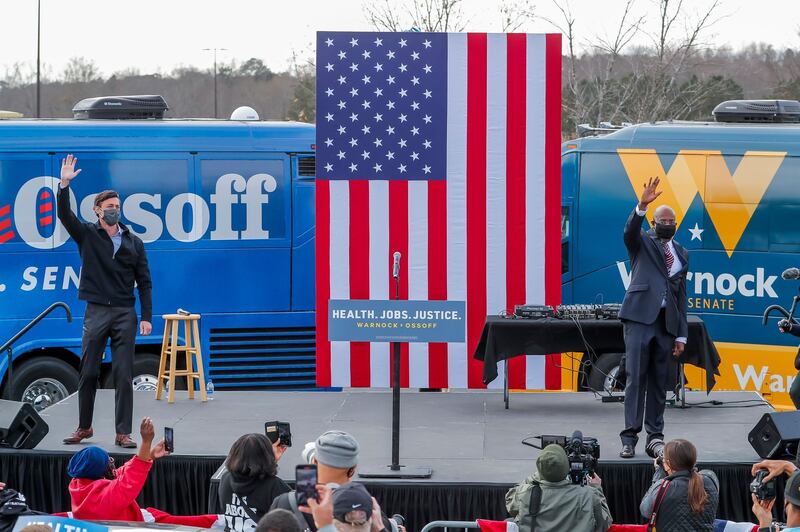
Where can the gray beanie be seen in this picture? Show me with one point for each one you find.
(552, 464)
(337, 449)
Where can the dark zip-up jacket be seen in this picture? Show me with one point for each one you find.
(108, 278)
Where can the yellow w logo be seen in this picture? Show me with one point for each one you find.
(730, 199)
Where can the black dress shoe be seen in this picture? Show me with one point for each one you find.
(627, 451)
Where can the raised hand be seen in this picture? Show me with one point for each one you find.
(68, 171)
(650, 193)
(147, 430)
(159, 450)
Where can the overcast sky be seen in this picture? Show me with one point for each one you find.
(161, 34)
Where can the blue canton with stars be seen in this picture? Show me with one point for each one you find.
(381, 105)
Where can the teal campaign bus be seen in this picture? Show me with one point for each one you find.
(225, 208)
(735, 188)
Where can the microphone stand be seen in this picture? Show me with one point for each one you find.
(395, 470)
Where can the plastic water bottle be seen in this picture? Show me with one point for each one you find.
(210, 390)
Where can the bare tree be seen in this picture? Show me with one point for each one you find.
(423, 15)
(81, 70)
(614, 82)
(514, 14)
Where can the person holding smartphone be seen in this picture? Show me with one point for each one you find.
(250, 483)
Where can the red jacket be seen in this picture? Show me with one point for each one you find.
(111, 499)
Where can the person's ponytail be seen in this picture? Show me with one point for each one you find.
(682, 456)
(697, 493)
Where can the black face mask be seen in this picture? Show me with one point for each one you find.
(665, 231)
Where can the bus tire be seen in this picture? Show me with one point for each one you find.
(43, 381)
(145, 374)
(604, 369)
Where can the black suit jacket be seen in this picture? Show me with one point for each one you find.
(650, 282)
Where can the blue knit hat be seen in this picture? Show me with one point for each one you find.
(91, 463)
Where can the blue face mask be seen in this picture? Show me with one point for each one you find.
(111, 216)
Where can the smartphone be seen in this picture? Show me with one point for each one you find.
(169, 441)
(278, 430)
(305, 476)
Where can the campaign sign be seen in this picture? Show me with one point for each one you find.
(369, 320)
(58, 524)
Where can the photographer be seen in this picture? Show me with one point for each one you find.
(791, 496)
(681, 498)
(786, 326)
(549, 501)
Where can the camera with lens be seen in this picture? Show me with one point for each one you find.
(765, 491)
(582, 453)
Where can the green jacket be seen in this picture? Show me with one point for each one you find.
(564, 507)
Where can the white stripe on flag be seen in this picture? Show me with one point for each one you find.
(379, 274)
(457, 196)
(418, 274)
(534, 191)
(340, 272)
(496, 181)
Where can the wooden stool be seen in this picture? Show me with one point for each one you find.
(171, 350)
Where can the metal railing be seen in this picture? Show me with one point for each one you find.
(31, 324)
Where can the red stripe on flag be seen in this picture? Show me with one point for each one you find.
(359, 274)
(552, 192)
(45, 207)
(398, 241)
(44, 194)
(515, 188)
(46, 220)
(323, 251)
(5, 210)
(437, 275)
(5, 237)
(5, 224)
(476, 201)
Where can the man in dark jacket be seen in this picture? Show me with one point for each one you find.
(654, 319)
(793, 328)
(112, 260)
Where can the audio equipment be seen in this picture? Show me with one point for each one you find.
(21, 427)
(775, 433)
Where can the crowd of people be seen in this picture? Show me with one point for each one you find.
(253, 498)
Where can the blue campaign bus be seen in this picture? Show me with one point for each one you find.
(735, 187)
(226, 211)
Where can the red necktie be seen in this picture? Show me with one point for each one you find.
(668, 257)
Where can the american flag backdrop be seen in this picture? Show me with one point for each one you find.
(445, 147)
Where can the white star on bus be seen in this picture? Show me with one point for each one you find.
(696, 232)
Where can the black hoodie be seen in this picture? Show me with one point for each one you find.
(245, 500)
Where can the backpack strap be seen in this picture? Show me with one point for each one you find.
(535, 503)
(301, 517)
(662, 491)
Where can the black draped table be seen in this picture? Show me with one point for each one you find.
(504, 338)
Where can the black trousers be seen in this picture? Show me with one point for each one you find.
(99, 324)
(647, 352)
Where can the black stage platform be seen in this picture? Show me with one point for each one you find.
(470, 441)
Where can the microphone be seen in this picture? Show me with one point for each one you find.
(577, 438)
(396, 266)
(791, 274)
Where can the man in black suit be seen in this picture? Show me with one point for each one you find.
(654, 319)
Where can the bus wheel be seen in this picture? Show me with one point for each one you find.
(44, 381)
(605, 370)
(145, 373)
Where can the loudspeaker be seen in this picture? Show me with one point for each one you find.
(775, 433)
(21, 427)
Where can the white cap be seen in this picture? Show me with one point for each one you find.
(244, 113)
